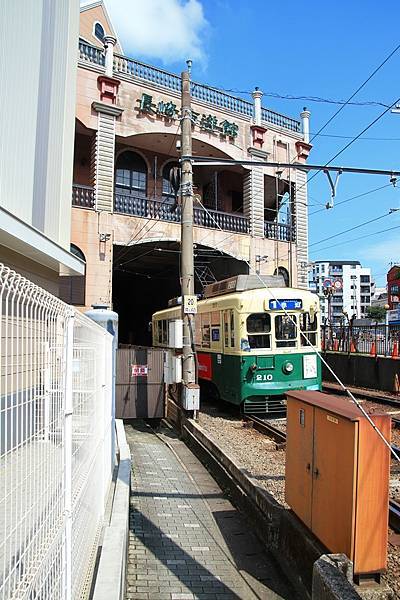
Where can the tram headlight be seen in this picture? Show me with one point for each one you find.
(287, 367)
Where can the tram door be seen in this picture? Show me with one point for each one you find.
(227, 369)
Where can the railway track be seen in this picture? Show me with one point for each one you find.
(333, 388)
(267, 429)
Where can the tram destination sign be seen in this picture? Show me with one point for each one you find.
(285, 304)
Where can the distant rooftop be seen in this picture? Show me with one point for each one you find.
(337, 263)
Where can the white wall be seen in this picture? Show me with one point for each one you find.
(38, 66)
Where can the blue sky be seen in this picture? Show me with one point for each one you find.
(299, 49)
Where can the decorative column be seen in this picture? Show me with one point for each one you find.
(303, 150)
(257, 130)
(104, 146)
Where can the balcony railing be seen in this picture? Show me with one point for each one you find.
(83, 196)
(279, 231)
(158, 209)
(170, 81)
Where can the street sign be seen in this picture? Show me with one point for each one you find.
(190, 305)
(327, 283)
(338, 284)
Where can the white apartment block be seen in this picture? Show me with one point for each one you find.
(351, 284)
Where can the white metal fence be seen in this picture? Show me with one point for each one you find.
(55, 441)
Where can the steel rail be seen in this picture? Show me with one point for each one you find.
(394, 515)
(332, 388)
(267, 429)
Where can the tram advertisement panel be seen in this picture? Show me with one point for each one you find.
(205, 366)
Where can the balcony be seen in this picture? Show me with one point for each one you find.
(142, 207)
(279, 231)
(157, 209)
(82, 196)
(139, 71)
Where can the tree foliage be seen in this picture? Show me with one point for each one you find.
(377, 313)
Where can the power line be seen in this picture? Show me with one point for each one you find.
(353, 198)
(351, 229)
(356, 92)
(358, 238)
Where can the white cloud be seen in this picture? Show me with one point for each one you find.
(387, 250)
(168, 30)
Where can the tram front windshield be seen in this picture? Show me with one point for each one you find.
(286, 331)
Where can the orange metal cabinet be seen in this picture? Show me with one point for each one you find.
(337, 476)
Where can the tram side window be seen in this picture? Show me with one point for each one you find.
(308, 326)
(205, 330)
(226, 329)
(285, 331)
(232, 329)
(259, 330)
(164, 332)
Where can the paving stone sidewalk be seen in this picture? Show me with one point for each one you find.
(187, 541)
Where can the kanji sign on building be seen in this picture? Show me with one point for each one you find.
(139, 370)
(170, 111)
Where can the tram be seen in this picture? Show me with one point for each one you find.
(247, 340)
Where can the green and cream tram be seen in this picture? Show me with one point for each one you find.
(248, 343)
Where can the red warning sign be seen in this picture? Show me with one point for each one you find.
(139, 370)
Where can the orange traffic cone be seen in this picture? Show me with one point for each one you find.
(352, 347)
(322, 344)
(336, 345)
(395, 351)
(373, 349)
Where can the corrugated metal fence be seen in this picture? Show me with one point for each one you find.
(56, 441)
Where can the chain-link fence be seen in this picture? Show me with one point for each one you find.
(55, 441)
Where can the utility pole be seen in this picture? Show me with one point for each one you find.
(190, 389)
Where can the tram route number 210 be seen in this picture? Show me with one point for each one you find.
(264, 377)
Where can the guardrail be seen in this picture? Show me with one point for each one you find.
(379, 339)
(55, 442)
(83, 196)
(279, 231)
(199, 91)
(159, 209)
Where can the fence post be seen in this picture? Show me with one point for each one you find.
(68, 410)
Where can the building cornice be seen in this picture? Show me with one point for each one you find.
(109, 109)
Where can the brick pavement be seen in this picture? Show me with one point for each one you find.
(187, 541)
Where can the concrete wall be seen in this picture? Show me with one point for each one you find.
(363, 371)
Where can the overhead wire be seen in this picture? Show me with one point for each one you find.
(387, 185)
(350, 229)
(358, 238)
(318, 353)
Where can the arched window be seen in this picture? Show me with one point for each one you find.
(72, 288)
(284, 273)
(99, 31)
(167, 191)
(131, 174)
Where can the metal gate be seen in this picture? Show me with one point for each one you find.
(140, 389)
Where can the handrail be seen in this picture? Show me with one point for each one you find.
(199, 91)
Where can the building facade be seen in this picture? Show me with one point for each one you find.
(348, 289)
(393, 287)
(37, 125)
(125, 217)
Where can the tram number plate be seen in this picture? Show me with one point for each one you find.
(190, 305)
(285, 304)
(264, 377)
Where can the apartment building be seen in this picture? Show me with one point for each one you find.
(348, 289)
